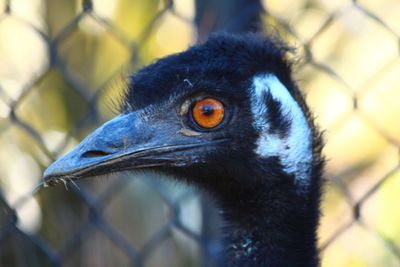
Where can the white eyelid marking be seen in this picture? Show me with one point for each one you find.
(294, 150)
(188, 132)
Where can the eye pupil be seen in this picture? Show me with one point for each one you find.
(208, 113)
(208, 110)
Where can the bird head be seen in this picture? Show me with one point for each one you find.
(218, 114)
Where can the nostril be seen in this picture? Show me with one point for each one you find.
(95, 153)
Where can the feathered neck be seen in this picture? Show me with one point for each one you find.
(271, 223)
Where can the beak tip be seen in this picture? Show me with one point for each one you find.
(47, 173)
(49, 176)
(56, 171)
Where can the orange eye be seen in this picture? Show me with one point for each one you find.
(208, 113)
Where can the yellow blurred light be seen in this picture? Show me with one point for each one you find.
(185, 8)
(23, 55)
(102, 8)
(4, 110)
(21, 174)
(173, 35)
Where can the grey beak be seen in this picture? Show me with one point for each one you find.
(125, 143)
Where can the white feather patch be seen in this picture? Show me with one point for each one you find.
(294, 150)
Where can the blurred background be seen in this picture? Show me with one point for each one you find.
(63, 65)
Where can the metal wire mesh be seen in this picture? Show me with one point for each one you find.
(143, 221)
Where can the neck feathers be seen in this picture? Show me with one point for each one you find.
(275, 222)
(273, 225)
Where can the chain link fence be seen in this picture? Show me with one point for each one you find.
(62, 61)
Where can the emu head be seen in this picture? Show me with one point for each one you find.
(220, 115)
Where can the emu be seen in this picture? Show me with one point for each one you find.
(227, 117)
